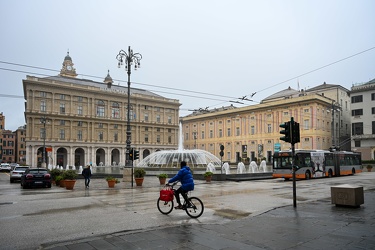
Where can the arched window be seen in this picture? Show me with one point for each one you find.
(100, 108)
(115, 110)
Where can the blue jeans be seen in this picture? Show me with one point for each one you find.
(87, 181)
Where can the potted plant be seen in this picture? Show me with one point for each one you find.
(54, 173)
(70, 177)
(58, 179)
(111, 181)
(369, 168)
(162, 178)
(208, 176)
(139, 174)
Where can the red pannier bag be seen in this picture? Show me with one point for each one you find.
(166, 194)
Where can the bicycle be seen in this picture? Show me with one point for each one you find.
(193, 206)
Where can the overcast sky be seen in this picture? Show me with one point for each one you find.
(203, 53)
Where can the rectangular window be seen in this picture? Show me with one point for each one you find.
(306, 124)
(252, 130)
(80, 123)
(356, 112)
(62, 122)
(115, 126)
(79, 135)
(169, 139)
(170, 119)
(62, 97)
(373, 127)
(100, 125)
(202, 134)
(115, 136)
(357, 98)
(43, 94)
(158, 138)
(146, 117)
(43, 106)
(357, 128)
(146, 137)
(238, 131)
(62, 134)
(79, 110)
(211, 134)
(372, 96)
(79, 98)
(228, 132)
(220, 133)
(62, 108)
(357, 144)
(372, 111)
(269, 128)
(157, 118)
(100, 136)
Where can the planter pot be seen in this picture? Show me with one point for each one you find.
(138, 181)
(62, 183)
(208, 178)
(111, 183)
(162, 181)
(369, 169)
(69, 184)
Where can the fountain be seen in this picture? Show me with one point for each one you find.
(253, 167)
(226, 168)
(171, 158)
(241, 168)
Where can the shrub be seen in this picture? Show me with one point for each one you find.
(207, 174)
(55, 172)
(162, 176)
(139, 173)
(69, 175)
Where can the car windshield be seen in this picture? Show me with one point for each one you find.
(21, 168)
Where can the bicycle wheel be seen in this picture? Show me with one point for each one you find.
(195, 208)
(165, 207)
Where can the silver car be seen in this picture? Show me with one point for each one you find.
(16, 173)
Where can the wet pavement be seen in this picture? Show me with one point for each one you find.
(312, 225)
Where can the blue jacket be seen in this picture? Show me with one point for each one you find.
(185, 177)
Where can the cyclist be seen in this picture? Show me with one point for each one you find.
(185, 176)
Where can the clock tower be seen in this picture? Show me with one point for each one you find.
(67, 68)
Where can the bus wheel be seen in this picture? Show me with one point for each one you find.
(330, 173)
(307, 175)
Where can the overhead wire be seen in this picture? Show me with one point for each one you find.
(229, 100)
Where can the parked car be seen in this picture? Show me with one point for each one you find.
(5, 167)
(36, 177)
(16, 173)
(13, 165)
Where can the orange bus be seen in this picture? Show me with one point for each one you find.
(315, 163)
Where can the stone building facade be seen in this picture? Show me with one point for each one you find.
(363, 119)
(79, 121)
(253, 132)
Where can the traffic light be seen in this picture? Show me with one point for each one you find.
(131, 154)
(286, 132)
(136, 154)
(221, 150)
(295, 133)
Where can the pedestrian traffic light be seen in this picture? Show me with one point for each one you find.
(136, 154)
(131, 154)
(286, 132)
(295, 133)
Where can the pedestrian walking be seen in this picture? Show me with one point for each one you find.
(87, 175)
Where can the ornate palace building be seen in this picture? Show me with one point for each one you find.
(253, 132)
(79, 121)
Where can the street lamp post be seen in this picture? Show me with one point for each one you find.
(128, 58)
(43, 120)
